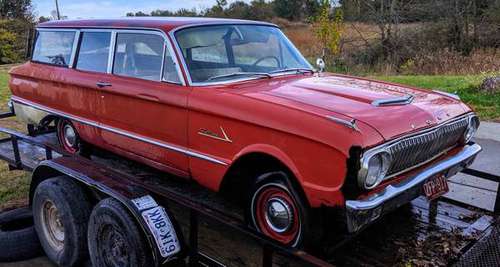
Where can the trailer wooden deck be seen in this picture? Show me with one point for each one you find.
(443, 232)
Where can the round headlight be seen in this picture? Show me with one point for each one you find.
(471, 129)
(374, 170)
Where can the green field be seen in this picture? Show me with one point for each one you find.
(4, 90)
(14, 185)
(486, 105)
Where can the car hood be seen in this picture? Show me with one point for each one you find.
(354, 97)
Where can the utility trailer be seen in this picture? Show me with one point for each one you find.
(210, 231)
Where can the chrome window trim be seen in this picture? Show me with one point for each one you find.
(114, 31)
(384, 147)
(78, 46)
(172, 33)
(111, 56)
(73, 48)
(175, 148)
(166, 44)
(76, 41)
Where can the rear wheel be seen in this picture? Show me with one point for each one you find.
(277, 210)
(115, 239)
(68, 136)
(60, 212)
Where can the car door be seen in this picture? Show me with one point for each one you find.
(143, 109)
(91, 65)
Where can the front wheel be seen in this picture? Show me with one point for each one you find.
(277, 210)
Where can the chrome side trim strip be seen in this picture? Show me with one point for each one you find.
(120, 132)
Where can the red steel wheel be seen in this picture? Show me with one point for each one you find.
(275, 213)
(68, 136)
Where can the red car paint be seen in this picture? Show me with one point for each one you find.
(284, 117)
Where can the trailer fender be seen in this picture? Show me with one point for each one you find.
(102, 184)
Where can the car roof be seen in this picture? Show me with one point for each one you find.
(161, 23)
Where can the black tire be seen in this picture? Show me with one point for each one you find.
(72, 211)
(18, 239)
(299, 231)
(115, 238)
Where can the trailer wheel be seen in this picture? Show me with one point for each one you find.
(61, 210)
(18, 239)
(114, 237)
(277, 210)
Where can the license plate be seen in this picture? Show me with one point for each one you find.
(163, 231)
(436, 187)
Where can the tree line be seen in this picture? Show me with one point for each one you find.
(16, 21)
(293, 10)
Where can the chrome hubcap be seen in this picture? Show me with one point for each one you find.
(52, 226)
(69, 135)
(279, 215)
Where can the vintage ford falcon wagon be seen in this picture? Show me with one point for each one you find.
(234, 106)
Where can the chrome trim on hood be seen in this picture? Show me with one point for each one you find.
(350, 124)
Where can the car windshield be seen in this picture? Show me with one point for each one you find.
(229, 52)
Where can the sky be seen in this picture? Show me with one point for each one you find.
(114, 8)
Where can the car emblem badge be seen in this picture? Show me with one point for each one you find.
(413, 126)
(208, 133)
(429, 122)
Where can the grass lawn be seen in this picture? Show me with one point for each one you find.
(14, 185)
(486, 105)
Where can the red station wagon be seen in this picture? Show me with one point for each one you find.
(234, 106)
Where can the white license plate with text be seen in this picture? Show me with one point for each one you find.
(163, 231)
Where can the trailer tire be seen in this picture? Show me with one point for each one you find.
(18, 239)
(61, 210)
(115, 238)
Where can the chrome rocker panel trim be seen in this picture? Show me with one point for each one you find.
(360, 213)
(155, 142)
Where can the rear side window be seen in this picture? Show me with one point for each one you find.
(139, 56)
(54, 47)
(94, 51)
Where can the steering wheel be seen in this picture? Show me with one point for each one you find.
(267, 57)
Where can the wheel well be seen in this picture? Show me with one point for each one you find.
(43, 173)
(239, 179)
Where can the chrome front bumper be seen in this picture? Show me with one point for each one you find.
(360, 213)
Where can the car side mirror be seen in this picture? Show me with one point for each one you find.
(320, 63)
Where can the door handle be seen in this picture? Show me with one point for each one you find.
(149, 97)
(103, 84)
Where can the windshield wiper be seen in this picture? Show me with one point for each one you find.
(262, 74)
(296, 70)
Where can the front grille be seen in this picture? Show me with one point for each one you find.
(415, 150)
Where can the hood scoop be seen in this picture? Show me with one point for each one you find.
(394, 101)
